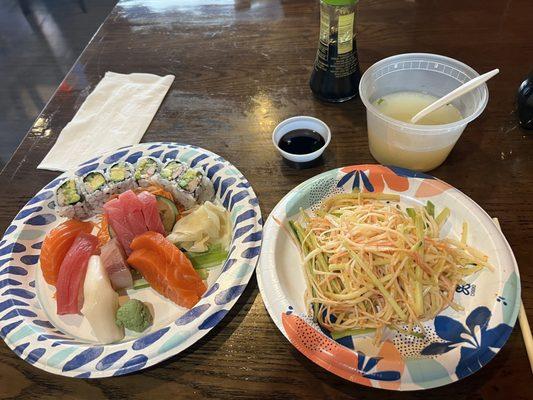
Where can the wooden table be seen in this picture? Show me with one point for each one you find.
(241, 67)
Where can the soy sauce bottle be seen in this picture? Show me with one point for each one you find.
(335, 77)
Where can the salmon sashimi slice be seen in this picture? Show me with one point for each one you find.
(56, 245)
(71, 276)
(133, 210)
(150, 211)
(167, 269)
(172, 255)
(116, 217)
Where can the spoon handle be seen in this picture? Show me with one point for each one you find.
(464, 88)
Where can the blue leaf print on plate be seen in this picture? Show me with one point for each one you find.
(198, 159)
(225, 296)
(4, 305)
(251, 252)
(54, 183)
(213, 170)
(192, 314)
(254, 237)
(238, 197)
(171, 155)
(27, 211)
(18, 312)
(9, 282)
(132, 365)
(39, 220)
(44, 324)
(29, 260)
(41, 197)
(242, 230)
(25, 294)
(132, 158)
(5, 260)
(86, 169)
(345, 179)
(8, 328)
(34, 355)
(12, 248)
(109, 360)
(83, 358)
(149, 339)
(156, 154)
(20, 349)
(245, 215)
(211, 290)
(83, 375)
(10, 229)
(213, 319)
(113, 158)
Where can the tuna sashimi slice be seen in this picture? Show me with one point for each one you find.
(167, 269)
(133, 210)
(116, 218)
(114, 260)
(152, 219)
(56, 245)
(71, 276)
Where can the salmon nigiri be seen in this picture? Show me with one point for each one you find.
(69, 294)
(57, 243)
(166, 268)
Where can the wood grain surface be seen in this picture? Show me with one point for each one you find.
(242, 67)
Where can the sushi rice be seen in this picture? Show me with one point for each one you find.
(95, 189)
(70, 200)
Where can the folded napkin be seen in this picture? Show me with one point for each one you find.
(115, 114)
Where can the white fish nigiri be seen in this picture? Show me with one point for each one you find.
(101, 303)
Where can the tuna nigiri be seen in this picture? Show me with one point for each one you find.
(100, 303)
(114, 261)
(57, 243)
(69, 285)
(150, 211)
(167, 269)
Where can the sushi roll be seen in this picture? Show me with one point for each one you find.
(147, 171)
(192, 187)
(95, 190)
(70, 201)
(120, 177)
(169, 174)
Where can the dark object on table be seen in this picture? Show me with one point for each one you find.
(301, 141)
(524, 100)
(335, 77)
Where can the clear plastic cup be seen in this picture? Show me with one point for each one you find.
(417, 147)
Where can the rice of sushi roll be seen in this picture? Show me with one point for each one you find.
(71, 202)
(95, 190)
(147, 171)
(120, 177)
(169, 173)
(192, 187)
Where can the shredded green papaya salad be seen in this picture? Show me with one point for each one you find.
(369, 264)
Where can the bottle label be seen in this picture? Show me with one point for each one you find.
(323, 42)
(345, 29)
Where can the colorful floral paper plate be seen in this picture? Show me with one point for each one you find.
(456, 345)
(64, 345)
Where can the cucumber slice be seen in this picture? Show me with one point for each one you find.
(167, 211)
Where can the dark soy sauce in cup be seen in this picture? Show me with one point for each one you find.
(301, 141)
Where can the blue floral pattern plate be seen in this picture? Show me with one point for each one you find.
(456, 344)
(63, 346)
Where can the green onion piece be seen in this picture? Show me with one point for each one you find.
(207, 259)
(202, 273)
(411, 212)
(464, 233)
(443, 216)
(140, 284)
(351, 332)
(430, 207)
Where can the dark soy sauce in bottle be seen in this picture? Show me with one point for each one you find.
(336, 74)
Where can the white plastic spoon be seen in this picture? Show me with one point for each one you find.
(464, 88)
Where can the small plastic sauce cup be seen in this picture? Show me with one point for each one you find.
(417, 147)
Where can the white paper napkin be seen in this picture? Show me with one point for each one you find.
(115, 114)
